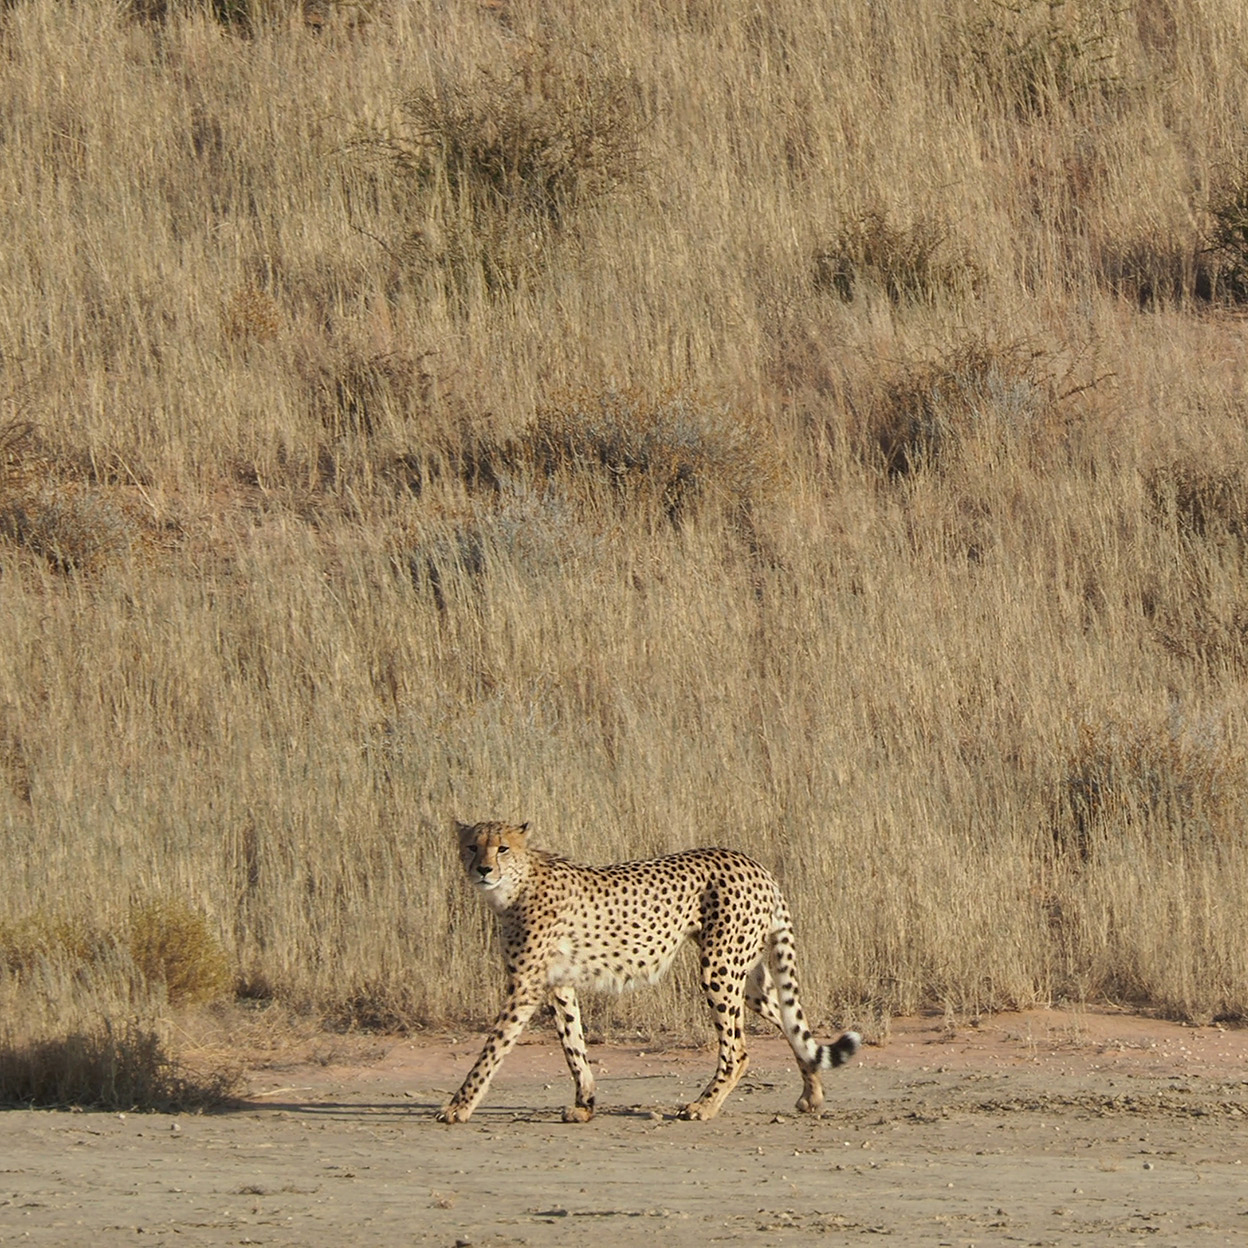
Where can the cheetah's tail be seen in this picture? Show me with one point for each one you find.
(839, 1051)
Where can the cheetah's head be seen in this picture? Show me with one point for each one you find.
(493, 856)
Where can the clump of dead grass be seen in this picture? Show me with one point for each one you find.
(1208, 500)
(113, 1064)
(173, 945)
(250, 314)
(168, 942)
(667, 450)
(364, 393)
(920, 413)
(1037, 59)
(918, 262)
(64, 520)
(1177, 780)
(488, 167)
(75, 530)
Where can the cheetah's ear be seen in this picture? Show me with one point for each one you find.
(463, 831)
(522, 829)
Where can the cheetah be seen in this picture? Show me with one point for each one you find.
(565, 927)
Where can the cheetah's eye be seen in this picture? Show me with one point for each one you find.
(504, 849)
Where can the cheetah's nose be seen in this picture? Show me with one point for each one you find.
(484, 871)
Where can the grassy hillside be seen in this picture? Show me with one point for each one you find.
(815, 428)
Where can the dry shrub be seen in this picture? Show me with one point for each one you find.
(916, 263)
(80, 1025)
(1205, 500)
(1179, 782)
(166, 940)
(19, 457)
(112, 1065)
(15, 763)
(1036, 58)
(547, 134)
(1227, 248)
(250, 315)
(1157, 269)
(75, 530)
(667, 450)
(375, 416)
(1198, 609)
(924, 411)
(1212, 635)
(41, 934)
(172, 944)
(486, 168)
(1209, 265)
(358, 392)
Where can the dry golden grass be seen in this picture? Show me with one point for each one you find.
(812, 428)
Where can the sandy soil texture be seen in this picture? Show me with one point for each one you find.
(1046, 1128)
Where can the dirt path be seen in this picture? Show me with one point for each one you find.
(1045, 1128)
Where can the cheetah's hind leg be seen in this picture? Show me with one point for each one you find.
(725, 994)
(760, 995)
(777, 980)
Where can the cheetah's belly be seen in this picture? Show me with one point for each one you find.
(602, 970)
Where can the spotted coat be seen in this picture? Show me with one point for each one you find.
(565, 927)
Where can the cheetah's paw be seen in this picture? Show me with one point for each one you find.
(696, 1111)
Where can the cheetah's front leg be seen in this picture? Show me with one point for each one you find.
(505, 1032)
(572, 1037)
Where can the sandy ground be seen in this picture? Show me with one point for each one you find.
(1045, 1128)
